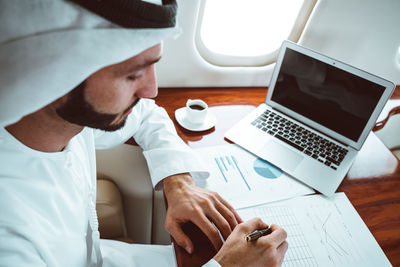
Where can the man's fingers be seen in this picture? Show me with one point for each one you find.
(220, 221)
(209, 230)
(227, 214)
(220, 215)
(252, 225)
(180, 237)
(277, 236)
(283, 247)
(226, 205)
(281, 251)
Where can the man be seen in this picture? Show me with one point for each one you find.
(72, 81)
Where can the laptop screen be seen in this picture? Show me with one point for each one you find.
(332, 97)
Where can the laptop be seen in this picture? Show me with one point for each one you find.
(316, 116)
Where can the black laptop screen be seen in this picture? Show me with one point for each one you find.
(334, 98)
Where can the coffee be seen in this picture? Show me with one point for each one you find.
(196, 107)
(196, 111)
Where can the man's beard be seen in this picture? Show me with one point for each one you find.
(78, 111)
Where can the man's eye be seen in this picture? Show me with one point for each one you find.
(133, 77)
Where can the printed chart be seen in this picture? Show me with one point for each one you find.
(231, 166)
(321, 232)
(266, 169)
(245, 180)
(335, 236)
(299, 252)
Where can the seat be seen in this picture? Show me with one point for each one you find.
(388, 127)
(110, 211)
(128, 207)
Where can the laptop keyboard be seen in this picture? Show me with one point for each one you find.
(311, 144)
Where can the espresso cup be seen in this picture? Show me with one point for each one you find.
(196, 111)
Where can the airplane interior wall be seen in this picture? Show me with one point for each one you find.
(363, 33)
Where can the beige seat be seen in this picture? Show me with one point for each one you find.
(128, 207)
(110, 211)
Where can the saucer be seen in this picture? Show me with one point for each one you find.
(208, 123)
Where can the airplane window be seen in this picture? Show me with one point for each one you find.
(249, 32)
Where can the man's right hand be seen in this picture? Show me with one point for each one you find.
(268, 250)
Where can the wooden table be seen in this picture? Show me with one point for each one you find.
(372, 184)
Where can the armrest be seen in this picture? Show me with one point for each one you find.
(380, 124)
(110, 212)
(127, 168)
(144, 209)
(388, 129)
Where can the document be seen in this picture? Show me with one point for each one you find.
(245, 180)
(321, 232)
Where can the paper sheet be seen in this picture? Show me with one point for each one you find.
(245, 180)
(322, 232)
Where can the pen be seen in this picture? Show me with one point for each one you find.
(257, 234)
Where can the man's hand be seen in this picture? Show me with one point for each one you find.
(268, 250)
(206, 209)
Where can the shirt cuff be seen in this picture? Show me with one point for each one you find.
(212, 263)
(164, 162)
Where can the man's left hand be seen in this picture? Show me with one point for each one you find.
(204, 208)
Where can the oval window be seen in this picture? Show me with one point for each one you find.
(248, 32)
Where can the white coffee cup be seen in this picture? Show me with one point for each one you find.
(196, 111)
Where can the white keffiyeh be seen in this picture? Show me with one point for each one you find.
(48, 47)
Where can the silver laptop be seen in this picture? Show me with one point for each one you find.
(316, 117)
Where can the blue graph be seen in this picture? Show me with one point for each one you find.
(266, 169)
(229, 164)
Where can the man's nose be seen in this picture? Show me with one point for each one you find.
(148, 85)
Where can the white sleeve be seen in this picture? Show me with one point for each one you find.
(116, 253)
(16, 250)
(165, 152)
(212, 263)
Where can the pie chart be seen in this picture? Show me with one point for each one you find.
(266, 169)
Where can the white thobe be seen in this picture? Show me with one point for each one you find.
(47, 200)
